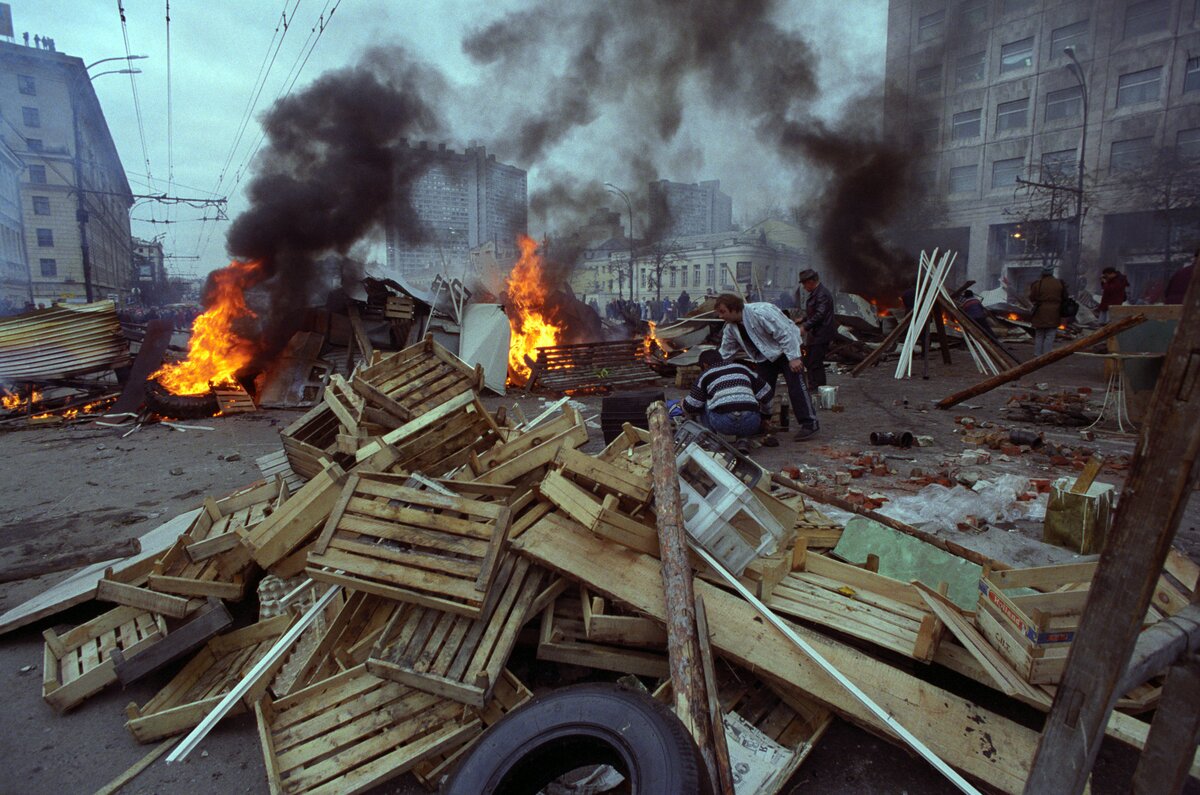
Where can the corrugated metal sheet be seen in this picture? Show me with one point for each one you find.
(61, 342)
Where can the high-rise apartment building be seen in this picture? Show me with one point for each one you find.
(462, 201)
(679, 209)
(16, 292)
(998, 94)
(75, 199)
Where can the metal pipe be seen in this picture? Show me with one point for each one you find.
(903, 439)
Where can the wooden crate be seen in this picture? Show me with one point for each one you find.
(528, 453)
(791, 721)
(276, 464)
(296, 523)
(78, 663)
(437, 442)
(426, 547)
(1033, 631)
(601, 516)
(416, 380)
(508, 695)
(311, 439)
(456, 657)
(234, 400)
(633, 485)
(590, 366)
(563, 639)
(882, 611)
(353, 732)
(348, 638)
(205, 680)
(398, 307)
(176, 573)
(220, 523)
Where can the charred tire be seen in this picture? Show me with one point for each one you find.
(179, 407)
(587, 724)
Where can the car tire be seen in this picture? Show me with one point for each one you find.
(578, 726)
(179, 407)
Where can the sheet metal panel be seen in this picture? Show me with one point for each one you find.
(60, 342)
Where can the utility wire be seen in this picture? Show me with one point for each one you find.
(137, 103)
(170, 124)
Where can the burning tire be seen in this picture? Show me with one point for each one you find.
(179, 407)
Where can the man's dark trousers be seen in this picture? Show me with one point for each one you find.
(814, 364)
(802, 405)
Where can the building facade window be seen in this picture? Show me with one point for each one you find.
(743, 271)
(1012, 115)
(925, 133)
(1057, 165)
(1066, 103)
(973, 12)
(929, 80)
(969, 69)
(45, 237)
(925, 180)
(30, 117)
(930, 26)
(1016, 55)
(1013, 6)
(1148, 16)
(962, 179)
(26, 85)
(1187, 144)
(1130, 154)
(695, 275)
(1136, 88)
(672, 277)
(966, 124)
(1073, 36)
(1191, 75)
(37, 175)
(41, 205)
(49, 266)
(1005, 172)
(724, 274)
(711, 276)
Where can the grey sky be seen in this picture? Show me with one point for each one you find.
(218, 47)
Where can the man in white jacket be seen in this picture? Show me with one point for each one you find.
(762, 333)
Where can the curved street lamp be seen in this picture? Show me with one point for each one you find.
(1077, 71)
(117, 58)
(613, 189)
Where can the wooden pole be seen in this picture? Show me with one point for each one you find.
(683, 646)
(1162, 645)
(1166, 761)
(824, 497)
(1162, 474)
(72, 560)
(888, 343)
(1053, 356)
(999, 355)
(715, 714)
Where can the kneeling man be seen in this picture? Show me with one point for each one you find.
(730, 398)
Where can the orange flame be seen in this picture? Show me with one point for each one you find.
(216, 352)
(11, 401)
(533, 324)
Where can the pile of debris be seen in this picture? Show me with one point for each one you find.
(410, 540)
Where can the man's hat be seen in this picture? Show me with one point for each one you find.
(808, 273)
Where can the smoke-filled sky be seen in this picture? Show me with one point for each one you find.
(577, 93)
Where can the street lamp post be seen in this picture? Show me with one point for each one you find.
(613, 189)
(1077, 70)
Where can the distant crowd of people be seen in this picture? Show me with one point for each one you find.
(181, 317)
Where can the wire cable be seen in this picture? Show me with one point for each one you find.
(137, 103)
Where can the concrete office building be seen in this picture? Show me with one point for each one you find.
(16, 291)
(682, 210)
(991, 97)
(462, 201)
(74, 196)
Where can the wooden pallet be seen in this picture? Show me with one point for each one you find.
(882, 611)
(221, 523)
(295, 524)
(78, 663)
(176, 573)
(416, 380)
(507, 696)
(205, 680)
(276, 464)
(348, 638)
(563, 638)
(353, 732)
(426, 547)
(590, 366)
(437, 442)
(456, 657)
(234, 400)
(311, 440)
(793, 722)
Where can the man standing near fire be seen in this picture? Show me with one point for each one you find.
(766, 336)
(819, 326)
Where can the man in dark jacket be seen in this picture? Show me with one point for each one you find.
(819, 325)
(1113, 291)
(1177, 286)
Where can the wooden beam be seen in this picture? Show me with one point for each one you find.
(1162, 645)
(888, 343)
(71, 560)
(987, 385)
(1162, 474)
(978, 742)
(683, 646)
(1164, 766)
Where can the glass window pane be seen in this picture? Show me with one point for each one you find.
(1130, 153)
(1016, 55)
(1056, 166)
(966, 124)
(962, 179)
(970, 69)
(1148, 16)
(1191, 75)
(1013, 6)
(1187, 144)
(1138, 87)
(1073, 35)
(929, 80)
(974, 12)
(1064, 104)
(1012, 115)
(929, 27)
(49, 267)
(1005, 172)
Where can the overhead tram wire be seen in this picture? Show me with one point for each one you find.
(170, 124)
(264, 71)
(137, 103)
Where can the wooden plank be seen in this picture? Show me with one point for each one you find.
(123, 594)
(979, 742)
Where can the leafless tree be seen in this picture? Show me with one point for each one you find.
(660, 255)
(1169, 185)
(1044, 209)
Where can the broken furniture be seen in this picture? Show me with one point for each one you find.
(590, 366)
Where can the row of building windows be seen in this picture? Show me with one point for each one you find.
(1127, 155)
(1141, 18)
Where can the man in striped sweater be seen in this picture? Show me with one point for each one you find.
(730, 398)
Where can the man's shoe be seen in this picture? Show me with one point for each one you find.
(770, 441)
(742, 446)
(805, 433)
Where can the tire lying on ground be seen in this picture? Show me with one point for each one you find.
(179, 407)
(579, 726)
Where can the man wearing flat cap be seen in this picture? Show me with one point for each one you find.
(819, 326)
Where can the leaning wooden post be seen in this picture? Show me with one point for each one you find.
(1162, 474)
(683, 646)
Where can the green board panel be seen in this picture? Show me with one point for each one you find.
(905, 558)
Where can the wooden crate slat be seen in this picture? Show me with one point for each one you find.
(79, 663)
